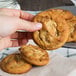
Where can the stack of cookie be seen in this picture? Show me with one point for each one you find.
(22, 62)
(59, 27)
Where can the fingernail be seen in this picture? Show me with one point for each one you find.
(39, 25)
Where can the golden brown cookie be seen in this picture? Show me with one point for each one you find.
(66, 14)
(72, 24)
(34, 55)
(15, 64)
(55, 30)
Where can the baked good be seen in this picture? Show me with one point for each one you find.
(71, 20)
(55, 30)
(14, 64)
(34, 55)
(72, 24)
(66, 14)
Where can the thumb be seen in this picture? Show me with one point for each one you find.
(29, 26)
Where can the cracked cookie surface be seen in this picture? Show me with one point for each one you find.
(34, 55)
(14, 64)
(55, 29)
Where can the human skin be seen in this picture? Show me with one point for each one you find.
(12, 20)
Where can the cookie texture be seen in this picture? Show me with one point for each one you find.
(55, 29)
(14, 64)
(34, 55)
(66, 14)
(72, 24)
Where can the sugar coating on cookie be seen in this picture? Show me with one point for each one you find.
(14, 64)
(55, 30)
(34, 55)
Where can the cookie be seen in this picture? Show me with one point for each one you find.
(34, 55)
(66, 14)
(54, 32)
(14, 64)
(72, 24)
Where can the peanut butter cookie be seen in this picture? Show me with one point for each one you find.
(66, 14)
(55, 30)
(34, 55)
(15, 64)
(72, 24)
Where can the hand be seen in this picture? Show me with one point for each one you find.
(12, 20)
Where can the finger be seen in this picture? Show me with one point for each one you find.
(29, 26)
(16, 13)
(5, 43)
(14, 36)
(26, 16)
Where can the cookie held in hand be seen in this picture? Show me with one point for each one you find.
(34, 55)
(55, 30)
(14, 64)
